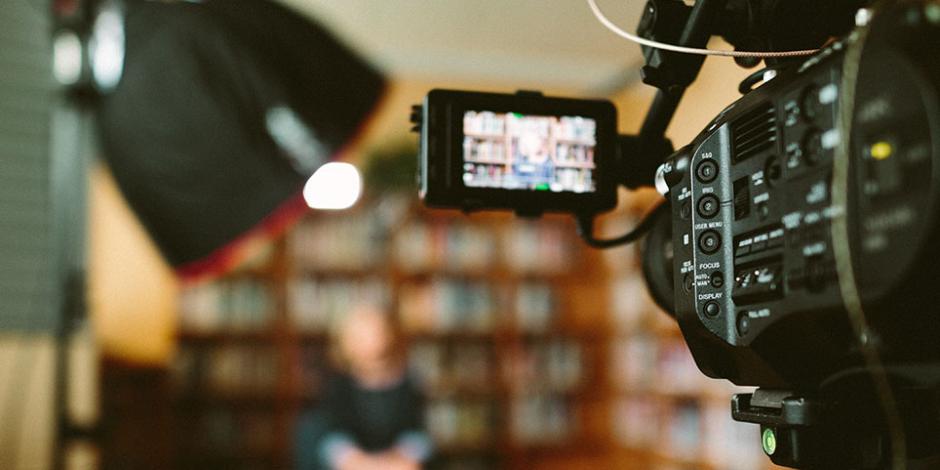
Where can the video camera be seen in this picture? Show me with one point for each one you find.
(796, 245)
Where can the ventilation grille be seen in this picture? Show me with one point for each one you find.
(754, 132)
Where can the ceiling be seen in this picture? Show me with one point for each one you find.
(535, 43)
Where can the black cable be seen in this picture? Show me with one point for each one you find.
(586, 229)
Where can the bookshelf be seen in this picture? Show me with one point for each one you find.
(231, 402)
(513, 364)
(534, 351)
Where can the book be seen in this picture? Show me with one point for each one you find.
(541, 419)
(233, 305)
(447, 305)
(535, 307)
(315, 304)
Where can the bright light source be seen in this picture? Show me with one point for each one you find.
(67, 58)
(106, 47)
(333, 186)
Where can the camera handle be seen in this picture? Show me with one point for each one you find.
(671, 72)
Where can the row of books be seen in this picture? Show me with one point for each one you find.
(539, 247)
(536, 307)
(421, 246)
(315, 304)
(553, 366)
(360, 242)
(222, 431)
(227, 370)
(526, 247)
(240, 304)
(571, 128)
(563, 176)
(574, 154)
(445, 305)
(484, 123)
(348, 242)
(541, 419)
(632, 308)
(701, 432)
(488, 175)
(440, 305)
(461, 422)
(493, 152)
(546, 366)
(574, 179)
(533, 420)
(484, 150)
(451, 305)
(645, 362)
(443, 368)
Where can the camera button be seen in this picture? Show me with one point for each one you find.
(812, 146)
(717, 280)
(743, 324)
(685, 210)
(707, 171)
(810, 103)
(709, 242)
(712, 309)
(815, 274)
(708, 206)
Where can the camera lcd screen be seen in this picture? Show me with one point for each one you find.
(529, 152)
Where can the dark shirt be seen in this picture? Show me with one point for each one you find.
(375, 419)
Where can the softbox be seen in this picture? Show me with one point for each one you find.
(225, 108)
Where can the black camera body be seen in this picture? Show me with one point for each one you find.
(524, 152)
(757, 291)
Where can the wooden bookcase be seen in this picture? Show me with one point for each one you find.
(535, 351)
(505, 321)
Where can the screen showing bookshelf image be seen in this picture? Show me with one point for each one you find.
(529, 152)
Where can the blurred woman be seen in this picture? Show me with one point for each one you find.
(371, 413)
